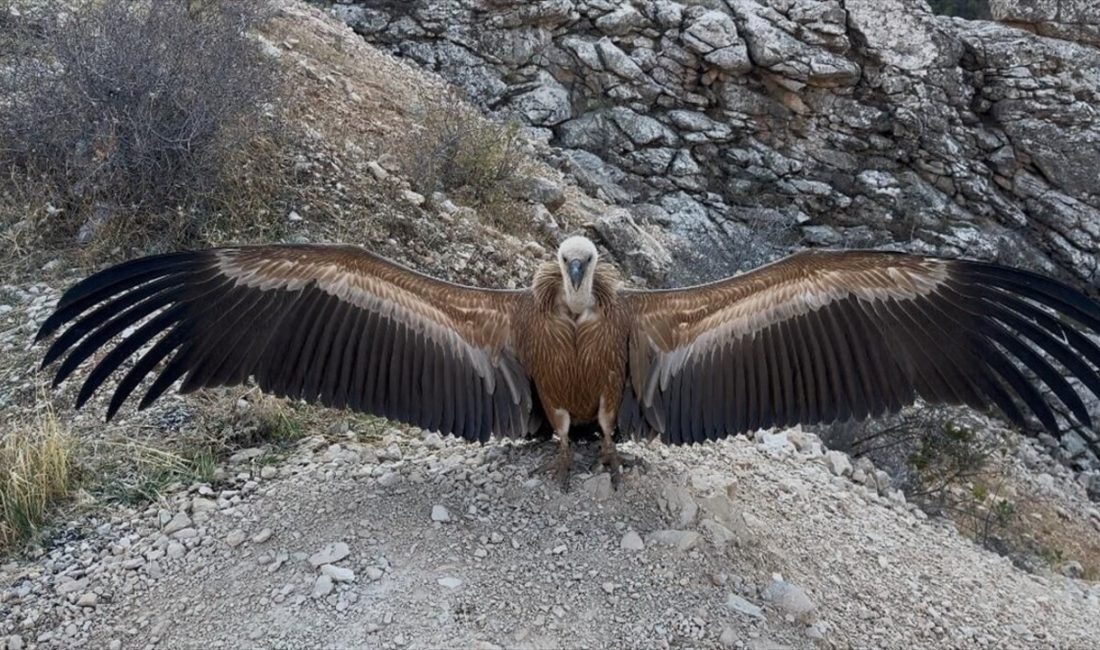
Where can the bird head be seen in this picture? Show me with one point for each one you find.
(577, 259)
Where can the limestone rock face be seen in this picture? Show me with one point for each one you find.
(1074, 20)
(733, 131)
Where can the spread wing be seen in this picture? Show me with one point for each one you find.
(329, 324)
(827, 336)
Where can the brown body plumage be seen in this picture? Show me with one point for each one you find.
(575, 361)
(817, 337)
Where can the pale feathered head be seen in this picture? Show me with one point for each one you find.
(577, 257)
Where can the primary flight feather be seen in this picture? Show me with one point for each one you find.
(817, 337)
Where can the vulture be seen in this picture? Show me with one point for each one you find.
(818, 337)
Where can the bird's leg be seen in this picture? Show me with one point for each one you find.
(609, 455)
(562, 464)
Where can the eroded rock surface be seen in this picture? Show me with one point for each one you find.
(1075, 20)
(745, 128)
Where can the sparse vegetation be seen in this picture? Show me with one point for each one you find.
(135, 473)
(268, 421)
(36, 473)
(946, 462)
(146, 119)
(456, 150)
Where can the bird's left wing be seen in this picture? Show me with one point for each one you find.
(827, 336)
(331, 324)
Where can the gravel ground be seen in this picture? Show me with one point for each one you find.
(425, 543)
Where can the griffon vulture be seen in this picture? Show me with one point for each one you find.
(818, 337)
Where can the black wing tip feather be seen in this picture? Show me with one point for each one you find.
(120, 276)
(113, 286)
(1056, 294)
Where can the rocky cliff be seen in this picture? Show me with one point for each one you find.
(738, 129)
(1076, 20)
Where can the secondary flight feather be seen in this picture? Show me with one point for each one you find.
(818, 337)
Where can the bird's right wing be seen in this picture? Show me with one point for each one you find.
(331, 324)
(831, 335)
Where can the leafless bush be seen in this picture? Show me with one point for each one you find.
(133, 107)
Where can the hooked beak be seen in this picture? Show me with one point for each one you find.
(576, 273)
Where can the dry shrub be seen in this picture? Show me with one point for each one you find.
(135, 110)
(951, 464)
(456, 150)
(36, 472)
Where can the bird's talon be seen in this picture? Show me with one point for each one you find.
(560, 467)
(609, 460)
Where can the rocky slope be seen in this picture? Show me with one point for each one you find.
(1074, 20)
(823, 123)
(401, 539)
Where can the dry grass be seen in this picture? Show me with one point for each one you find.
(956, 465)
(133, 472)
(970, 477)
(36, 473)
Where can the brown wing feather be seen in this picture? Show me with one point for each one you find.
(332, 324)
(824, 336)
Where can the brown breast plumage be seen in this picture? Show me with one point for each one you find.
(575, 362)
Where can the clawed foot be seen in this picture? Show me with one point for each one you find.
(561, 466)
(611, 460)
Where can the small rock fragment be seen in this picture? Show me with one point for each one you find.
(683, 540)
(329, 554)
(440, 513)
(742, 606)
(202, 504)
(338, 573)
(450, 583)
(631, 541)
(179, 522)
(322, 586)
(791, 599)
(389, 479)
(186, 533)
(598, 487)
(838, 463)
(87, 600)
